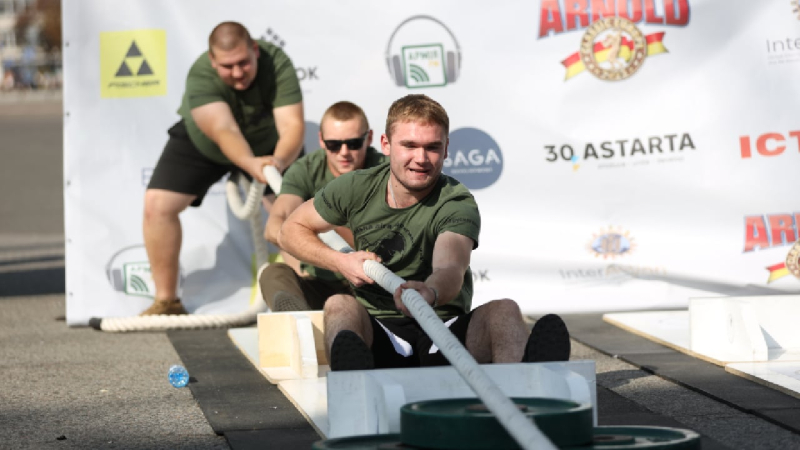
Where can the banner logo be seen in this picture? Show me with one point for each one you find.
(796, 8)
(768, 144)
(613, 49)
(473, 158)
(790, 266)
(305, 74)
(622, 153)
(611, 243)
(422, 52)
(133, 63)
(128, 271)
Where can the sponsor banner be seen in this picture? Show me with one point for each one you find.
(624, 155)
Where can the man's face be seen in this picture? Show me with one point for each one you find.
(346, 159)
(416, 153)
(236, 67)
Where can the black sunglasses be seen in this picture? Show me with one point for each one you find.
(335, 145)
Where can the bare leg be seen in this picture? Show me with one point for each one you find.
(497, 333)
(344, 312)
(162, 238)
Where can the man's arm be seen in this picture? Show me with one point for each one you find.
(450, 261)
(283, 206)
(290, 125)
(298, 236)
(216, 121)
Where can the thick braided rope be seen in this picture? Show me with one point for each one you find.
(247, 211)
(522, 429)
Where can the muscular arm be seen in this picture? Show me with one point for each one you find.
(298, 236)
(283, 206)
(290, 125)
(451, 256)
(216, 121)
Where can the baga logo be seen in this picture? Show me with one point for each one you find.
(613, 48)
(133, 63)
(423, 52)
(473, 158)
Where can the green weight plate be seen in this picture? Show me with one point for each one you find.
(635, 437)
(466, 424)
(373, 442)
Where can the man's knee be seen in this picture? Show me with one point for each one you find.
(161, 203)
(341, 304)
(504, 308)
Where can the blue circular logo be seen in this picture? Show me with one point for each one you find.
(474, 158)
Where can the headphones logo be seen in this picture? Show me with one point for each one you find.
(128, 271)
(423, 52)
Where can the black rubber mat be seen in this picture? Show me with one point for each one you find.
(614, 409)
(693, 373)
(236, 399)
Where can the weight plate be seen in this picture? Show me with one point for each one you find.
(373, 442)
(635, 437)
(466, 424)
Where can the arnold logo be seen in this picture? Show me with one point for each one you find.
(423, 52)
(613, 48)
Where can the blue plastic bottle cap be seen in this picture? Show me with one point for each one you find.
(178, 376)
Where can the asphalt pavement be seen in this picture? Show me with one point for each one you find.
(63, 387)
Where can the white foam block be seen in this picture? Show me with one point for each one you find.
(369, 401)
(670, 328)
(247, 341)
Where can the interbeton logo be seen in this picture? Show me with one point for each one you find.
(133, 63)
(423, 52)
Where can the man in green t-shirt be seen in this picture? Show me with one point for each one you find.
(422, 225)
(345, 138)
(242, 110)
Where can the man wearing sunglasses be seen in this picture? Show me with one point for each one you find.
(345, 138)
(242, 109)
(422, 225)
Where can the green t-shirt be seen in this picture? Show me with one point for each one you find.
(309, 174)
(403, 238)
(275, 85)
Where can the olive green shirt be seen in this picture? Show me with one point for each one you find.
(403, 238)
(309, 174)
(275, 85)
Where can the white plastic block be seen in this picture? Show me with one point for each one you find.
(369, 401)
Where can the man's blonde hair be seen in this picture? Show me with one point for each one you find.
(416, 108)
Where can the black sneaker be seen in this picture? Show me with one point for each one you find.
(350, 352)
(548, 341)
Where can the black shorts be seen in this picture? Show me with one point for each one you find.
(386, 350)
(182, 168)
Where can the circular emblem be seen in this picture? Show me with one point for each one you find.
(613, 49)
(793, 260)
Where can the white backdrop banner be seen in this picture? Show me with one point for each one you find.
(624, 155)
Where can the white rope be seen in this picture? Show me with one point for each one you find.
(250, 211)
(521, 428)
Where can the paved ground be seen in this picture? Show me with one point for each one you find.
(78, 388)
(61, 387)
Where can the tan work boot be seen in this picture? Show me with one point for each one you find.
(165, 307)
